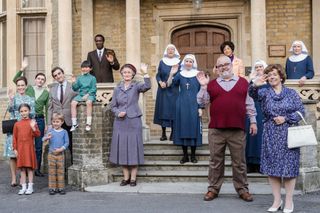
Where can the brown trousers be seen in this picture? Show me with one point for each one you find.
(56, 171)
(235, 139)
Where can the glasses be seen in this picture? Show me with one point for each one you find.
(223, 65)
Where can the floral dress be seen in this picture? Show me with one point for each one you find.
(276, 158)
(13, 108)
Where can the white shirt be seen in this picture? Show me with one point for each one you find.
(64, 89)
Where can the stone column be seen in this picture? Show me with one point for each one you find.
(89, 150)
(133, 54)
(65, 35)
(258, 30)
(309, 178)
(12, 56)
(316, 36)
(86, 27)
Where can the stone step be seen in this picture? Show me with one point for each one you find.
(162, 165)
(165, 145)
(182, 176)
(175, 155)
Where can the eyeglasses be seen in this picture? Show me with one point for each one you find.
(223, 65)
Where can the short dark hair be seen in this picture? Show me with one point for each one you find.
(55, 69)
(227, 43)
(24, 105)
(99, 35)
(42, 74)
(279, 69)
(21, 78)
(86, 64)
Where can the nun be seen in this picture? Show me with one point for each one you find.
(299, 65)
(187, 124)
(165, 106)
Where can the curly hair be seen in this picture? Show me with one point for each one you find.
(279, 69)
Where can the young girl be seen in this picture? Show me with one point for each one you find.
(86, 85)
(24, 133)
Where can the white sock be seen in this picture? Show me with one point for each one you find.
(74, 121)
(24, 186)
(89, 120)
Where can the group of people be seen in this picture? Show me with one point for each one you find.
(249, 115)
(44, 115)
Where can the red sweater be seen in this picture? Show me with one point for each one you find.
(228, 109)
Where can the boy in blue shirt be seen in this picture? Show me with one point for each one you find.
(58, 142)
(86, 85)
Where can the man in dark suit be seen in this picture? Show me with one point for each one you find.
(103, 60)
(60, 97)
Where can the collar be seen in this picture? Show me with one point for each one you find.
(297, 58)
(189, 73)
(64, 83)
(233, 78)
(170, 61)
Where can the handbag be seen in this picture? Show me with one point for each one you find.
(299, 136)
(7, 125)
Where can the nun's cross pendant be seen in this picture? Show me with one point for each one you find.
(187, 84)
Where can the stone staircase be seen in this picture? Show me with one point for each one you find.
(162, 165)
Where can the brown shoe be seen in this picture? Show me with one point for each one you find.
(246, 196)
(210, 196)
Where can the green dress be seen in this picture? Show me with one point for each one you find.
(85, 84)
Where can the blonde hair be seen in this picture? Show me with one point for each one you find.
(58, 116)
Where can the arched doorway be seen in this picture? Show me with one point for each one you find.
(203, 41)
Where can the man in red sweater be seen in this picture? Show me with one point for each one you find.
(230, 103)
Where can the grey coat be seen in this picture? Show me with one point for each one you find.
(127, 100)
(65, 106)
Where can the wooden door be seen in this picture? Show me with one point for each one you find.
(202, 41)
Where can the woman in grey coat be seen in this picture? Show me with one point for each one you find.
(127, 143)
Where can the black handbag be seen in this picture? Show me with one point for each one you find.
(7, 125)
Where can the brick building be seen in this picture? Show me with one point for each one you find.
(60, 33)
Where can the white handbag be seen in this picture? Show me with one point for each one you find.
(299, 136)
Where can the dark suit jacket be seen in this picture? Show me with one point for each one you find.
(65, 106)
(102, 70)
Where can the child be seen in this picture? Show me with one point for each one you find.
(58, 142)
(86, 84)
(24, 133)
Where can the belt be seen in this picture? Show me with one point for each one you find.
(39, 116)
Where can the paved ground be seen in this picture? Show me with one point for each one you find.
(78, 202)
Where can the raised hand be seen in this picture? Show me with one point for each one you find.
(110, 58)
(203, 79)
(144, 68)
(10, 94)
(73, 79)
(174, 69)
(33, 124)
(24, 64)
(260, 80)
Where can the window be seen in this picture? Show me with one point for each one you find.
(34, 45)
(32, 3)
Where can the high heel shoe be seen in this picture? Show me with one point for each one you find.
(273, 209)
(288, 210)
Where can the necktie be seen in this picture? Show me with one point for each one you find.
(100, 55)
(61, 93)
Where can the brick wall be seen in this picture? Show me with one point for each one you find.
(55, 32)
(288, 20)
(76, 37)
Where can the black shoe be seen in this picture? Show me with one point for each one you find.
(193, 159)
(125, 182)
(184, 160)
(133, 182)
(38, 173)
(62, 191)
(163, 138)
(52, 192)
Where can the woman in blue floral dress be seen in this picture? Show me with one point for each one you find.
(14, 103)
(279, 105)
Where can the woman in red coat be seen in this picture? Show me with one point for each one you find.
(24, 133)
